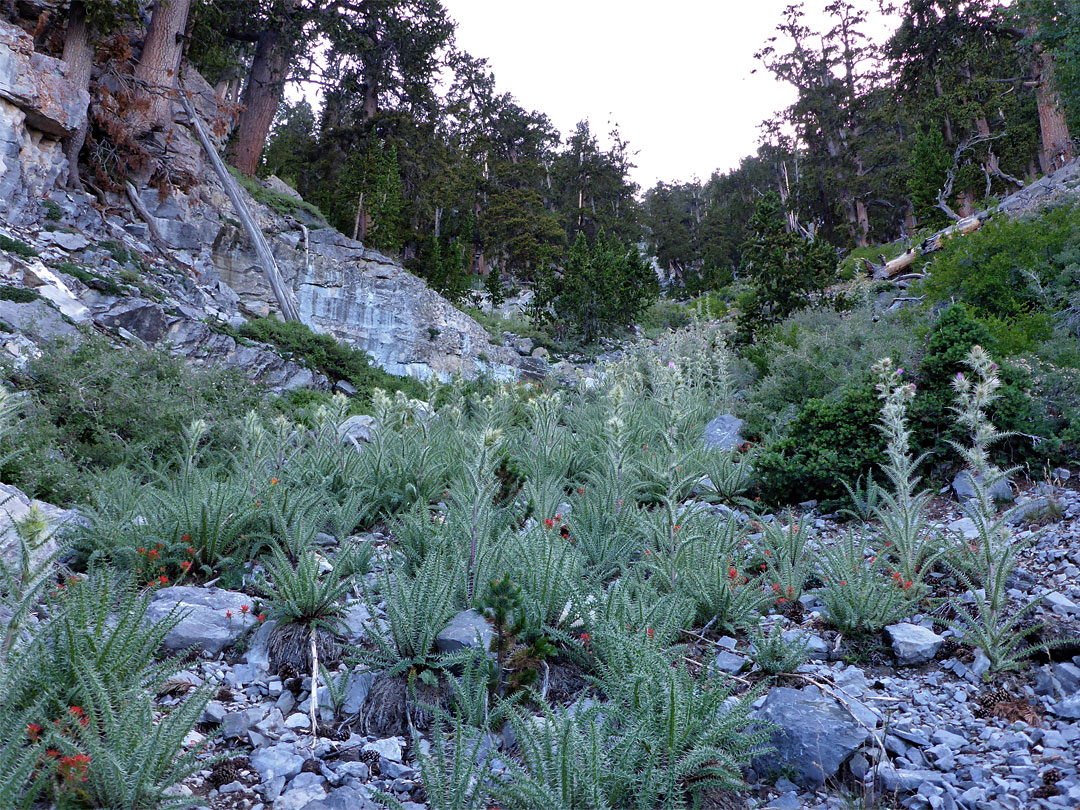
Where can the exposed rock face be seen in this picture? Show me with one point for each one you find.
(365, 299)
(38, 105)
(38, 85)
(355, 294)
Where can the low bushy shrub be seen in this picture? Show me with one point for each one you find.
(323, 353)
(826, 443)
(88, 406)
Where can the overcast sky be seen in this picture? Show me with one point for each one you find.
(675, 75)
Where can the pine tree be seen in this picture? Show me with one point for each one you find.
(783, 268)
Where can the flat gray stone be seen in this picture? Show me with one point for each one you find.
(722, 433)
(913, 644)
(204, 624)
(815, 734)
(467, 629)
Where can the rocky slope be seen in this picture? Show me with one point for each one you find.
(168, 283)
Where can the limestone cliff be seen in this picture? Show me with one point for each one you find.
(201, 269)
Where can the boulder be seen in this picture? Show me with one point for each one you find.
(38, 85)
(467, 629)
(16, 508)
(913, 644)
(722, 433)
(277, 760)
(204, 624)
(358, 429)
(815, 735)
(965, 490)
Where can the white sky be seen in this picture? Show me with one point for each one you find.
(675, 75)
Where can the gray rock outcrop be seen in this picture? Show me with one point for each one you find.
(815, 735)
(722, 433)
(913, 644)
(205, 623)
(38, 106)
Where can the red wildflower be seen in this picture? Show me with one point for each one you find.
(185, 538)
(549, 523)
(907, 585)
(185, 565)
(649, 631)
(245, 608)
(732, 573)
(191, 551)
(33, 731)
(228, 614)
(79, 714)
(164, 580)
(261, 617)
(140, 550)
(273, 481)
(581, 490)
(843, 582)
(776, 587)
(75, 768)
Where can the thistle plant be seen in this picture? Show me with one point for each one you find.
(859, 593)
(786, 557)
(774, 654)
(302, 593)
(417, 609)
(984, 564)
(723, 594)
(453, 769)
(902, 511)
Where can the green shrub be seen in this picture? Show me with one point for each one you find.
(826, 444)
(89, 406)
(18, 295)
(323, 353)
(53, 212)
(17, 246)
(1011, 267)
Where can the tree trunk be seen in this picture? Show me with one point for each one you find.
(79, 57)
(286, 300)
(160, 60)
(862, 216)
(262, 95)
(1057, 147)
